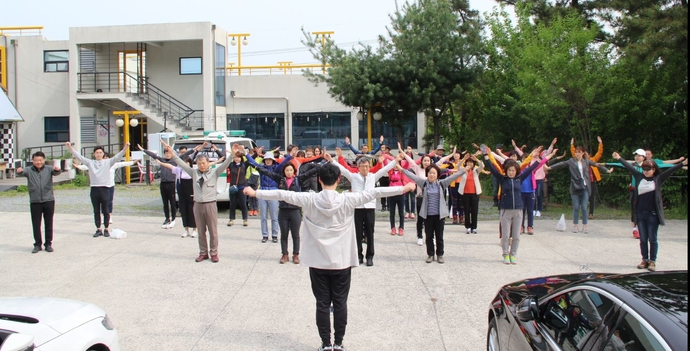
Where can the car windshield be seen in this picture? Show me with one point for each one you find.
(208, 151)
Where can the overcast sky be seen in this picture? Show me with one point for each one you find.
(275, 26)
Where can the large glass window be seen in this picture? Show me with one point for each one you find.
(393, 126)
(56, 129)
(220, 75)
(190, 65)
(325, 129)
(267, 129)
(56, 61)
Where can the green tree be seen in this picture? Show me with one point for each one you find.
(429, 59)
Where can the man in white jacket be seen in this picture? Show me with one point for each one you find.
(329, 247)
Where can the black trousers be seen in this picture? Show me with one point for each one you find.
(433, 227)
(364, 228)
(100, 198)
(331, 287)
(420, 220)
(238, 199)
(168, 196)
(289, 220)
(47, 210)
(186, 195)
(399, 201)
(470, 202)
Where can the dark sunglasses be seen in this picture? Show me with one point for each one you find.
(647, 168)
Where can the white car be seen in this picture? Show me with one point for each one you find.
(47, 324)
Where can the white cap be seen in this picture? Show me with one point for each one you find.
(639, 152)
(269, 156)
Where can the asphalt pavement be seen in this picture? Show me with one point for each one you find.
(160, 299)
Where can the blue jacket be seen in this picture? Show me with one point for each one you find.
(267, 182)
(511, 188)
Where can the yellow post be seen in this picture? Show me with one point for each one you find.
(323, 42)
(126, 114)
(237, 38)
(369, 129)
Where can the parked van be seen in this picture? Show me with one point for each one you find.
(223, 140)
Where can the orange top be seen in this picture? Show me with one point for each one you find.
(469, 184)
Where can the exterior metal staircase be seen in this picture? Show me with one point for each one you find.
(141, 95)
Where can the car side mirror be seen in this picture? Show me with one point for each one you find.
(528, 309)
(18, 342)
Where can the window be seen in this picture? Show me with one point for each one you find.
(56, 129)
(393, 126)
(571, 318)
(220, 75)
(630, 334)
(190, 65)
(325, 129)
(267, 129)
(56, 61)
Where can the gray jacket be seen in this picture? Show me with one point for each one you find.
(208, 192)
(575, 176)
(422, 181)
(40, 183)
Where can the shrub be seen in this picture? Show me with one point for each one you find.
(80, 180)
(22, 189)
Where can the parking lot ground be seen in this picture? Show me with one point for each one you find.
(160, 299)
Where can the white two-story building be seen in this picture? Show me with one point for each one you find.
(179, 78)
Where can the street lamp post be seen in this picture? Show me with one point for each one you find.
(125, 124)
(233, 42)
(322, 35)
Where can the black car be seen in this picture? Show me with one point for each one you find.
(593, 311)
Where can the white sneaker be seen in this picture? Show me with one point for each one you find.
(420, 242)
(185, 234)
(193, 235)
(467, 231)
(171, 225)
(538, 214)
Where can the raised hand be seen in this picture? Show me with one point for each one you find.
(537, 151)
(476, 146)
(347, 140)
(599, 139)
(127, 144)
(338, 152)
(57, 168)
(513, 142)
(409, 187)
(381, 158)
(552, 154)
(20, 170)
(381, 139)
(249, 192)
(610, 170)
(572, 141)
(328, 157)
(554, 141)
(142, 149)
(205, 145)
(615, 155)
(69, 145)
(400, 147)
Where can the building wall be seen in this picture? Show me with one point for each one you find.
(163, 70)
(38, 94)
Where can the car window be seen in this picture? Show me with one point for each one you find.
(572, 318)
(631, 335)
(209, 152)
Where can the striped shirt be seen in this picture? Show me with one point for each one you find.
(433, 193)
